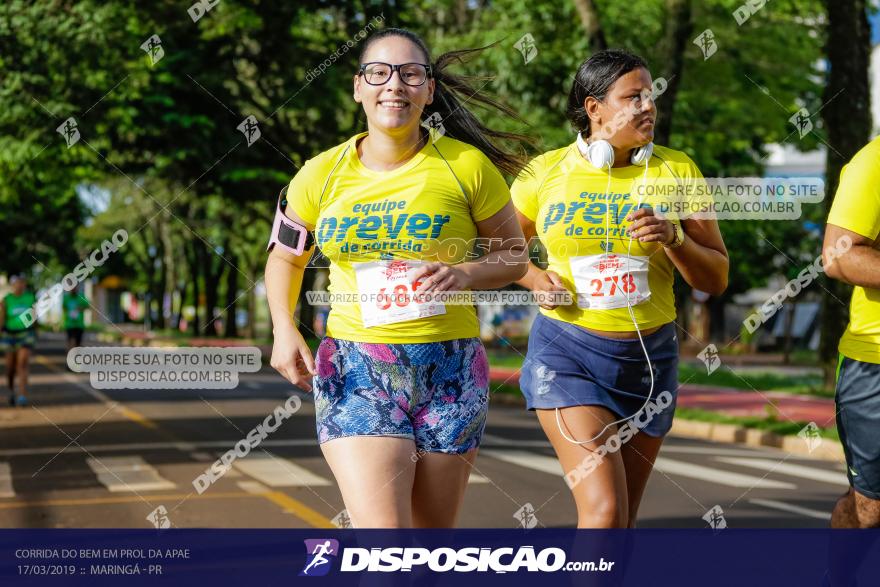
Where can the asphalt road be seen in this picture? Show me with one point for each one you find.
(78, 457)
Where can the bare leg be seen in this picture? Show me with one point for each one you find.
(867, 511)
(10, 370)
(638, 455)
(844, 513)
(438, 491)
(601, 497)
(375, 475)
(24, 356)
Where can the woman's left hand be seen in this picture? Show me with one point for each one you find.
(436, 277)
(647, 228)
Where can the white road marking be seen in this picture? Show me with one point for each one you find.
(130, 473)
(6, 489)
(718, 476)
(252, 486)
(144, 446)
(835, 478)
(794, 509)
(202, 457)
(544, 464)
(711, 450)
(279, 472)
(492, 440)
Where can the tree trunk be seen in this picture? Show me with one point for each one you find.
(679, 27)
(194, 264)
(212, 286)
(231, 329)
(252, 305)
(847, 118)
(586, 9)
(787, 340)
(180, 304)
(161, 285)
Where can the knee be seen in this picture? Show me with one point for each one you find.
(380, 522)
(867, 511)
(603, 513)
(868, 518)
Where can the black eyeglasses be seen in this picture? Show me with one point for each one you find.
(377, 73)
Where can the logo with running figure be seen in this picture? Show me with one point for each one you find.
(319, 553)
(707, 44)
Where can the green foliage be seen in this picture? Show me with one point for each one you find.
(165, 135)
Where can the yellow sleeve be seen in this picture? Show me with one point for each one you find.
(524, 190)
(690, 196)
(489, 192)
(304, 191)
(856, 205)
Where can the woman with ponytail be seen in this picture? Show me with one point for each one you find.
(601, 370)
(401, 379)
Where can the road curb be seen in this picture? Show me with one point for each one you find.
(826, 450)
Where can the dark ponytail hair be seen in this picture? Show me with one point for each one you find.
(451, 92)
(594, 77)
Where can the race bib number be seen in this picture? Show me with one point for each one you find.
(73, 314)
(388, 293)
(609, 281)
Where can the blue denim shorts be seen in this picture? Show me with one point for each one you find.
(435, 393)
(567, 365)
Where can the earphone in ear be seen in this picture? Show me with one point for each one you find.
(600, 153)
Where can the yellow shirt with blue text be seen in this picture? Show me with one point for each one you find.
(856, 207)
(425, 210)
(571, 205)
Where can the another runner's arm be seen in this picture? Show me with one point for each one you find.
(537, 279)
(860, 265)
(2, 314)
(527, 225)
(503, 264)
(508, 256)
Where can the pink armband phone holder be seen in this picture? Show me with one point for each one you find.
(289, 235)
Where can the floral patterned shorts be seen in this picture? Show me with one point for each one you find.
(435, 393)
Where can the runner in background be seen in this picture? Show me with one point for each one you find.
(854, 227)
(74, 305)
(602, 363)
(18, 325)
(401, 386)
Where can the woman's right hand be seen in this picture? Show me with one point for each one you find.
(292, 357)
(546, 283)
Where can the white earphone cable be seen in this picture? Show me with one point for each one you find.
(631, 314)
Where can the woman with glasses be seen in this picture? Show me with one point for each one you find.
(401, 379)
(602, 370)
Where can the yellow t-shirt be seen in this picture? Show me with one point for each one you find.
(566, 197)
(425, 210)
(856, 207)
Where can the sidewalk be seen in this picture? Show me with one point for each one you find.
(730, 401)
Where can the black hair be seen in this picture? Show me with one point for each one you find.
(452, 92)
(594, 78)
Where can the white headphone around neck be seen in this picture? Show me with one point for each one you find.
(600, 153)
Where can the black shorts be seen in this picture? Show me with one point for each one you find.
(76, 334)
(858, 423)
